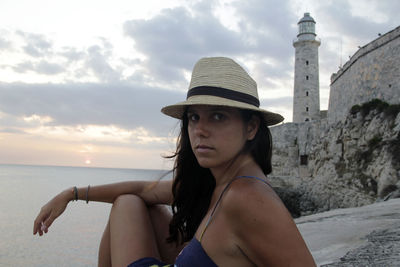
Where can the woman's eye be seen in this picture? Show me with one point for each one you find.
(218, 116)
(193, 117)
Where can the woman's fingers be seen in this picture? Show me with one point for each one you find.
(38, 223)
(43, 228)
(48, 222)
(39, 227)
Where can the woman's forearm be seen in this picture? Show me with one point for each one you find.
(158, 192)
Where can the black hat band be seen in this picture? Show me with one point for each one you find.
(224, 93)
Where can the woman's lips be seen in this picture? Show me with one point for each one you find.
(203, 148)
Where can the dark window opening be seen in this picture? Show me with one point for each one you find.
(390, 85)
(307, 109)
(307, 77)
(307, 119)
(303, 159)
(307, 62)
(307, 93)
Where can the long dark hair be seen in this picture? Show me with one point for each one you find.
(193, 185)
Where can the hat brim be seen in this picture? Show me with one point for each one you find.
(177, 110)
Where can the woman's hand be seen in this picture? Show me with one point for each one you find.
(49, 212)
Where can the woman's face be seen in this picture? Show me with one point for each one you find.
(217, 134)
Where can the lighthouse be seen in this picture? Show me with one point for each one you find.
(306, 72)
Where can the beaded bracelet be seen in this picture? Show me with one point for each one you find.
(87, 194)
(76, 193)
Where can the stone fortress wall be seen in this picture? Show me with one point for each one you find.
(292, 143)
(372, 72)
(346, 160)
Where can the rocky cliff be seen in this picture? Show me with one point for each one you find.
(362, 236)
(347, 164)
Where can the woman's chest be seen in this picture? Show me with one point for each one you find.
(220, 243)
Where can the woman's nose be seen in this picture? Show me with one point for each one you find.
(201, 128)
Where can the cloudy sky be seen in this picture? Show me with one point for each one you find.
(82, 82)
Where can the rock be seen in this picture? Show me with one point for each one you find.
(393, 194)
(346, 164)
(363, 236)
(382, 249)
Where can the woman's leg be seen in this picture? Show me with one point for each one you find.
(131, 232)
(104, 259)
(160, 217)
(135, 231)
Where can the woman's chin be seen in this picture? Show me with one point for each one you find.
(210, 164)
(205, 163)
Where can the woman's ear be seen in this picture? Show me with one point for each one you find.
(252, 127)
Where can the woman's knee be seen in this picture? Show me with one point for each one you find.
(160, 212)
(129, 202)
(131, 232)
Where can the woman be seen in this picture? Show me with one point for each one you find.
(224, 211)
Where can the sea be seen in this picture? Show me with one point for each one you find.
(74, 237)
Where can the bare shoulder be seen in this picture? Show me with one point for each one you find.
(262, 227)
(251, 205)
(248, 195)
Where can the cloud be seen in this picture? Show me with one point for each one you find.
(37, 45)
(268, 25)
(345, 17)
(11, 123)
(390, 9)
(286, 101)
(41, 67)
(4, 43)
(45, 67)
(174, 40)
(270, 71)
(125, 105)
(72, 54)
(84, 64)
(12, 131)
(24, 67)
(97, 62)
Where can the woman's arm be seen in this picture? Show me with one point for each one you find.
(264, 229)
(159, 192)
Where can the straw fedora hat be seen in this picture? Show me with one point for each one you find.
(221, 81)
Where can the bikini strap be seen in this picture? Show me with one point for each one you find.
(220, 197)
